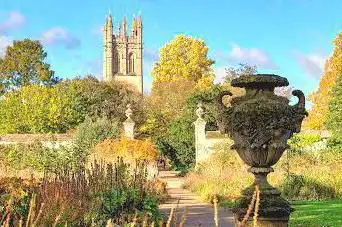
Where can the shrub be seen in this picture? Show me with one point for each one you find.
(35, 158)
(130, 150)
(299, 187)
(335, 142)
(299, 141)
(90, 132)
(179, 143)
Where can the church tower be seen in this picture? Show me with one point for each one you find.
(123, 53)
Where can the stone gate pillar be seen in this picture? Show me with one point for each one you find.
(129, 123)
(199, 134)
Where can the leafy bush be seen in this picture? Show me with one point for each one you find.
(179, 143)
(299, 187)
(130, 149)
(90, 132)
(36, 158)
(299, 141)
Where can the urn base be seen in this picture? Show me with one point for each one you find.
(263, 223)
(270, 205)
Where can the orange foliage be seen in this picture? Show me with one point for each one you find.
(322, 97)
(129, 149)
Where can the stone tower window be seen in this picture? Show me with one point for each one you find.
(118, 63)
(131, 63)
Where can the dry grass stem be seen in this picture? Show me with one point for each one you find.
(216, 210)
(249, 210)
(176, 212)
(168, 224)
(256, 208)
(181, 224)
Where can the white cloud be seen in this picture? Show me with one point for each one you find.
(220, 73)
(14, 21)
(313, 64)
(251, 56)
(4, 43)
(59, 36)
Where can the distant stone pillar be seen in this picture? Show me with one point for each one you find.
(129, 123)
(199, 134)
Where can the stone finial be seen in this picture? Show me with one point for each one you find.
(128, 112)
(129, 123)
(199, 111)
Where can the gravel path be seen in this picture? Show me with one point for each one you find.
(198, 213)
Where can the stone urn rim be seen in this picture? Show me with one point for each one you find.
(260, 81)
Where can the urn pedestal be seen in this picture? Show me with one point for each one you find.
(260, 123)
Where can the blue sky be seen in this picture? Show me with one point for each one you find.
(291, 38)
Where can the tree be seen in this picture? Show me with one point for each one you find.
(334, 118)
(166, 103)
(24, 63)
(59, 108)
(243, 69)
(184, 58)
(322, 97)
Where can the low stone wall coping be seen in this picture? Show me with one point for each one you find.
(28, 138)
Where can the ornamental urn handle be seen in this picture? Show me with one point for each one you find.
(301, 99)
(223, 116)
(299, 111)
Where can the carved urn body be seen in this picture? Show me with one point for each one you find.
(260, 123)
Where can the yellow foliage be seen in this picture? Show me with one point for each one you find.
(129, 149)
(322, 97)
(184, 57)
(205, 82)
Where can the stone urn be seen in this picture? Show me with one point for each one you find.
(260, 123)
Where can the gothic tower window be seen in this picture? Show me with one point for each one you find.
(118, 63)
(131, 63)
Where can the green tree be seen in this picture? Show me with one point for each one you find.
(99, 99)
(24, 63)
(59, 108)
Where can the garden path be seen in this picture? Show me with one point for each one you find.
(198, 213)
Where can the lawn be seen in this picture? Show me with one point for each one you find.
(317, 213)
(312, 213)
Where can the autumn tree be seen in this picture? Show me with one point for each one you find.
(322, 97)
(334, 118)
(24, 63)
(184, 58)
